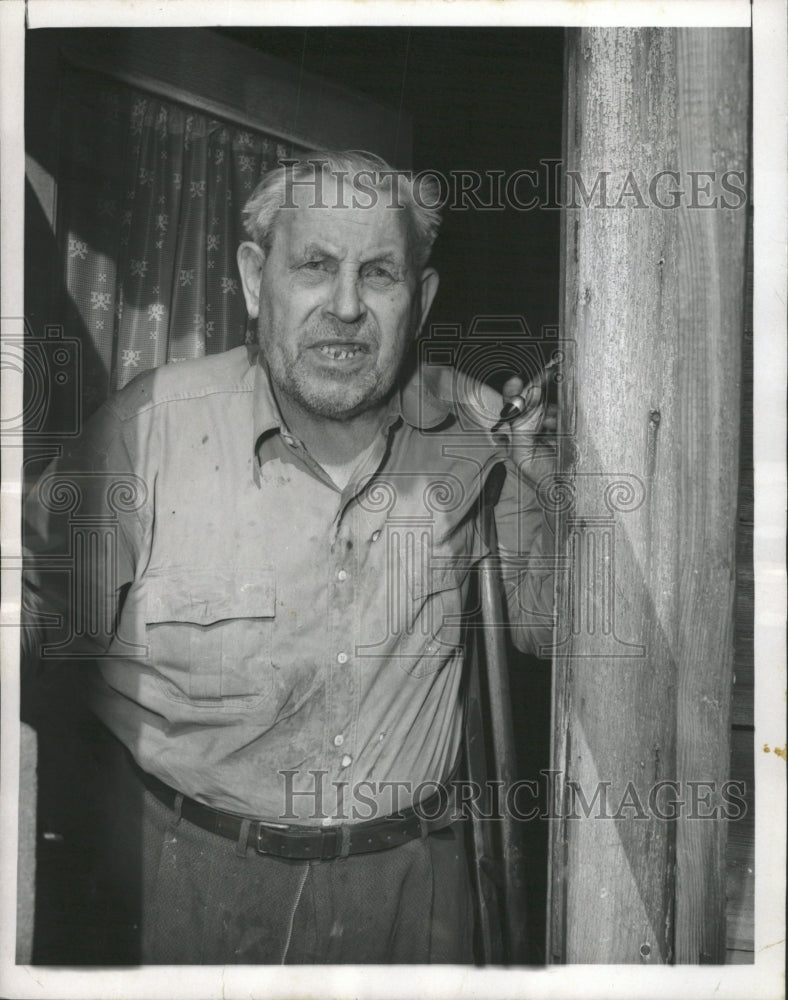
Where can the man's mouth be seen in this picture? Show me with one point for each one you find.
(342, 351)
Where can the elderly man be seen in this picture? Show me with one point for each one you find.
(296, 529)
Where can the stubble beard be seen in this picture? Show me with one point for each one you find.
(330, 395)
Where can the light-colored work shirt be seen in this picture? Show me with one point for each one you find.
(265, 642)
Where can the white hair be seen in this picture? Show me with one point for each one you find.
(275, 191)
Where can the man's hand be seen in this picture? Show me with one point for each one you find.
(533, 431)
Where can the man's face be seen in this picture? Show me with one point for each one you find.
(337, 302)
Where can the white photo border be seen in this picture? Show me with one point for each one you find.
(761, 981)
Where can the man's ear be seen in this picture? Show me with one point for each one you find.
(428, 286)
(250, 265)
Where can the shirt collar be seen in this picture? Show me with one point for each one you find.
(266, 416)
(420, 403)
(417, 402)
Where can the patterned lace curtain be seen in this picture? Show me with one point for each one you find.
(150, 201)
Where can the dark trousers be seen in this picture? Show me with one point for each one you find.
(176, 894)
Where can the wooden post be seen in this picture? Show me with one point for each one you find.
(653, 300)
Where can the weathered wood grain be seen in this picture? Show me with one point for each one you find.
(743, 634)
(652, 297)
(713, 75)
(740, 855)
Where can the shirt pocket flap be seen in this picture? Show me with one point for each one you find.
(208, 596)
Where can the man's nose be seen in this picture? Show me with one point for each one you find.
(345, 302)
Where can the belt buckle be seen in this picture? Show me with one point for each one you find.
(329, 842)
(263, 830)
(328, 847)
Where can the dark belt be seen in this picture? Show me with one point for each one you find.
(304, 842)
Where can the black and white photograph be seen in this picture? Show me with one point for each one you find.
(393, 444)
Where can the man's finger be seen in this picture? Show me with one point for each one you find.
(512, 387)
(532, 397)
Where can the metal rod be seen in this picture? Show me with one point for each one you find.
(502, 733)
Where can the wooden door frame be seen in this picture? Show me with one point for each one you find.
(654, 303)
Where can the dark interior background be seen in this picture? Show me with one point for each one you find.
(479, 99)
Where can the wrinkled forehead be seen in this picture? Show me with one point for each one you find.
(346, 210)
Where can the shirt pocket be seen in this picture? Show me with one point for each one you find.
(210, 634)
(434, 623)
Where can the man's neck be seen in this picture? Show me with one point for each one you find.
(335, 442)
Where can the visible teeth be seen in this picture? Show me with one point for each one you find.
(339, 353)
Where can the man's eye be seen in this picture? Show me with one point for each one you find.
(379, 273)
(313, 265)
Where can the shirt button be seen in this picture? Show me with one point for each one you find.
(375, 536)
(342, 575)
(342, 658)
(339, 740)
(347, 760)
